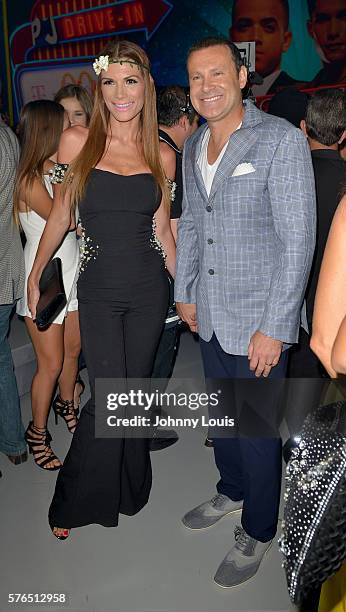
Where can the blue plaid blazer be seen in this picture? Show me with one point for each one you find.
(244, 253)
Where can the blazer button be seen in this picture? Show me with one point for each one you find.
(208, 208)
(211, 271)
(210, 241)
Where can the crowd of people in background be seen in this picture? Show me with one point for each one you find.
(113, 186)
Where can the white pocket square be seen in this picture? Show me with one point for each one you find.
(245, 168)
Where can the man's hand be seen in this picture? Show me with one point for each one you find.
(264, 353)
(187, 313)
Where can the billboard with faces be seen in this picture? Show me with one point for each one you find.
(54, 42)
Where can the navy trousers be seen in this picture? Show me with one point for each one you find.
(250, 467)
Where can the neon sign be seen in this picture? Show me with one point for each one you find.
(63, 35)
(56, 24)
(103, 21)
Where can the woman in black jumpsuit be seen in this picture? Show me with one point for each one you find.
(122, 293)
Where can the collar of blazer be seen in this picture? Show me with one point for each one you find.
(238, 146)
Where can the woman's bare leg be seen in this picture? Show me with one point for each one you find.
(72, 345)
(49, 350)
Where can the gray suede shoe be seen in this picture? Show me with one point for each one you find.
(207, 514)
(242, 561)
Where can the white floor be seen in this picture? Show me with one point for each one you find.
(150, 563)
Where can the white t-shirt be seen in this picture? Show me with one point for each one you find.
(208, 170)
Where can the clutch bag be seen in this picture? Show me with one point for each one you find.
(52, 294)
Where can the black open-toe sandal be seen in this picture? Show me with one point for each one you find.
(67, 411)
(38, 440)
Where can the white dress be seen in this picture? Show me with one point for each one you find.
(33, 226)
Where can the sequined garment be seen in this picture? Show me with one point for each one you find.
(172, 188)
(155, 242)
(87, 249)
(313, 540)
(122, 254)
(122, 299)
(57, 173)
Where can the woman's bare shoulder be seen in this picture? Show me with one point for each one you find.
(71, 143)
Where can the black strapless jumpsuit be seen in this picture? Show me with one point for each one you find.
(123, 295)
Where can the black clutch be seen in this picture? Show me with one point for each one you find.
(313, 540)
(52, 294)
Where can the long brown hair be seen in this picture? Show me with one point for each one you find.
(94, 148)
(39, 131)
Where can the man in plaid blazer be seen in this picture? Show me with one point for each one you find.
(12, 441)
(245, 245)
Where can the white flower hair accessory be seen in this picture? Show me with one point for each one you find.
(101, 63)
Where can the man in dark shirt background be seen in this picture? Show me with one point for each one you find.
(325, 128)
(177, 121)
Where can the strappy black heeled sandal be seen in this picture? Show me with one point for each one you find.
(38, 440)
(67, 411)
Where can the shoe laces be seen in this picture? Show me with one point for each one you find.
(42, 435)
(216, 499)
(65, 407)
(242, 539)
